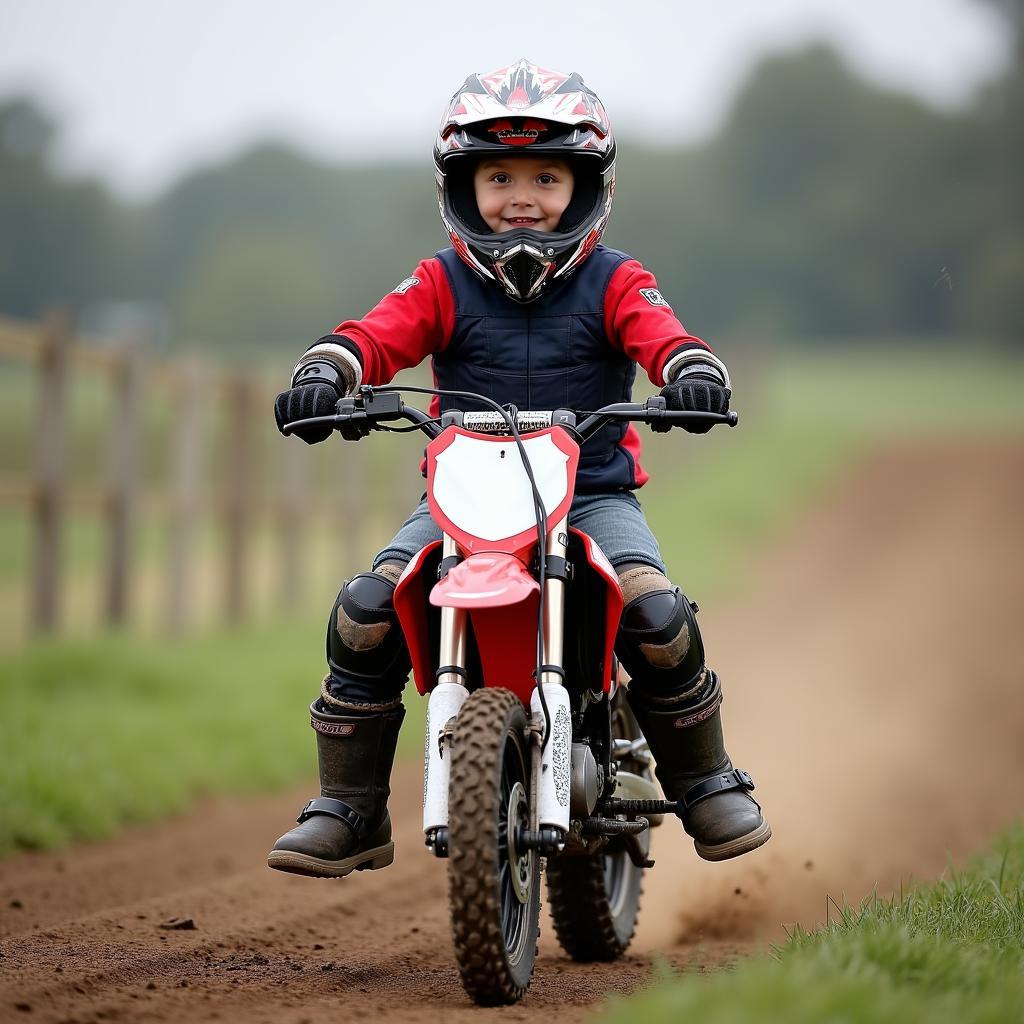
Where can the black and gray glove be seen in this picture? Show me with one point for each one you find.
(326, 372)
(699, 386)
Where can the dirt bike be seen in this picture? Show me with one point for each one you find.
(531, 752)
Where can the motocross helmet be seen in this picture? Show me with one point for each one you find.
(525, 109)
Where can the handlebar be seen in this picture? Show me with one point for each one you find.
(375, 406)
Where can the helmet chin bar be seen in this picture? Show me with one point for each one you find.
(523, 270)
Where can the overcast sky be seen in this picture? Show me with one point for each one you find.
(147, 88)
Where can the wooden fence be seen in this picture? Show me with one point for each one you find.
(264, 484)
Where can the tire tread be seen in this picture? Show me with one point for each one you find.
(581, 912)
(474, 900)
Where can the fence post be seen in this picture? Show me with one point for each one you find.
(293, 549)
(122, 493)
(238, 499)
(356, 506)
(406, 484)
(50, 471)
(188, 431)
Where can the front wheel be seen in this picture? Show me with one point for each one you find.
(493, 886)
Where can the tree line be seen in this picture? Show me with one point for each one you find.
(825, 209)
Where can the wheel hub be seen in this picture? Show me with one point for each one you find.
(520, 862)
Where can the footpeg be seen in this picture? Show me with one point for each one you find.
(614, 805)
(614, 826)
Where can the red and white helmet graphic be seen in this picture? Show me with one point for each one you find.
(529, 109)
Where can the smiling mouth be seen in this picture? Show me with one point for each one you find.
(520, 221)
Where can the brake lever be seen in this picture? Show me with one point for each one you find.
(312, 421)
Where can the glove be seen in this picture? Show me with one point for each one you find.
(316, 386)
(315, 398)
(697, 392)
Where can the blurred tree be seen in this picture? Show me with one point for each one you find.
(253, 285)
(56, 237)
(991, 299)
(824, 208)
(315, 242)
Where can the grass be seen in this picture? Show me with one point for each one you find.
(805, 419)
(951, 952)
(105, 729)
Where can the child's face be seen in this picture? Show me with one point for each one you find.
(522, 192)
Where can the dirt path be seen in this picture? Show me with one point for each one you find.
(873, 676)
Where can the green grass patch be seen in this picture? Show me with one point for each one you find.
(951, 952)
(805, 419)
(103, 731)
(713, 508)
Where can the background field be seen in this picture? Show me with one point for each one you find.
(107, 728)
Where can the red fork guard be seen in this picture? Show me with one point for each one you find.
(491, 579)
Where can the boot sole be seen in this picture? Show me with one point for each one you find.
(735, 847)
(315, 867)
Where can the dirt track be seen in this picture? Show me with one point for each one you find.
(873, 676)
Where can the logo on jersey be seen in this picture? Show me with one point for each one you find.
(409, 282)
(653, 296)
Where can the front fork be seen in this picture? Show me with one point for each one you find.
(443, 706)
(550, 766)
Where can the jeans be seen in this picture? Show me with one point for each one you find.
(615, 520)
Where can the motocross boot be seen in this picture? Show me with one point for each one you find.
(694, 770)
(348, 827)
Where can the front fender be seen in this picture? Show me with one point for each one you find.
(501, 599)
(491, 579)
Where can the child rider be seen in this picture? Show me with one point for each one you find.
(524, 307)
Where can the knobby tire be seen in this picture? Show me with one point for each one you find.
(488, 746)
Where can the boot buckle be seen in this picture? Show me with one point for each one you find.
(335, 809)
(735, 778)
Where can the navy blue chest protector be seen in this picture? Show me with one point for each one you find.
(552, 353)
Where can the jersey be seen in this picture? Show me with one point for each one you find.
(575, 347)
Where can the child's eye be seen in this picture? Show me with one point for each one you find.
(545, 179)
(500, 178)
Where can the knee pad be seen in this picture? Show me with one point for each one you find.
(659, 642)
(366, 651)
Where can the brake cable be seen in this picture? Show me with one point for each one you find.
(405, 430)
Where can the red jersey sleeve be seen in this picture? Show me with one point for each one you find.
(407, 325)
(638, 320)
